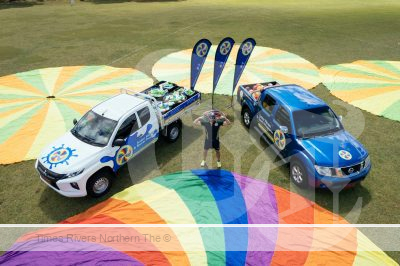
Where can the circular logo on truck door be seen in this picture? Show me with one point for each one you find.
(279, 139)
(124, 154)
(345, 155)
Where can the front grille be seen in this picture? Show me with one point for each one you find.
(352, 169)
(43, 170)
(49, 176)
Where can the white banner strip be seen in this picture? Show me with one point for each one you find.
(204, 225)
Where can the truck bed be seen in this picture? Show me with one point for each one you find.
(179, 109)
(252, 89)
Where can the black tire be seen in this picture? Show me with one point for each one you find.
(173, 132)
(246, 117)
(94, 187)
(298, 174)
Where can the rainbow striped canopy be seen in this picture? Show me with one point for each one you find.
(38, 106)
(202, 197)
(373, 86)
(265, 64)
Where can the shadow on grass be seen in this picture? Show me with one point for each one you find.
(347, 198)
(17, 4)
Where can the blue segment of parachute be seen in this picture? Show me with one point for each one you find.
(232, 207)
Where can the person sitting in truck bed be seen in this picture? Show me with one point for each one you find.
(212, 121)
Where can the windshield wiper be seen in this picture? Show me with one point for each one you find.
(90, 140)
(85, 139)
(309, 136)
(331, 131)
(81, 137)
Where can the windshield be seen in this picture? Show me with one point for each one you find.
(94, 129)
(315, 122)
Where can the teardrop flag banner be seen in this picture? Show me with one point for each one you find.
(199, 55)
(243, 55)
(224, 49)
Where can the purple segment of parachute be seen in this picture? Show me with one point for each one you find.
(261, 209)
(62, 252)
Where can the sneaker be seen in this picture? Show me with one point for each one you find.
(203, 164)
(219, 165)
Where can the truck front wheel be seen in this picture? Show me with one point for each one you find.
(298, 174)
(246, 117)
(99, 184)
(173, 132)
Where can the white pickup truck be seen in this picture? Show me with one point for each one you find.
(84, 160)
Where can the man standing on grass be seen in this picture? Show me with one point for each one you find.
(212, 121)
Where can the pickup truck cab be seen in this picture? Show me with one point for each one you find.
(84, 160)
(305, 132)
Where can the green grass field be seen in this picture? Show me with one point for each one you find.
(137, 34)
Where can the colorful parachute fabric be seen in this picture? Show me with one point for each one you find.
(265, 64)
(38, 106)
(201, 197)
(373, 86)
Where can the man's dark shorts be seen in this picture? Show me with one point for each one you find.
(211, 145)
(212, 138)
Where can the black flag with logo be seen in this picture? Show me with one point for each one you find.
(221, 56)
(199, 55)
(243, 55)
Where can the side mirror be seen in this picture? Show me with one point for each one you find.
(284, 129)
(74, 121)
(340, 118)
(119, 142)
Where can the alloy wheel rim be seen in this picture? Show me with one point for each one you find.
(297, 174)
(246, 117)
(174, 133)
(100, 185)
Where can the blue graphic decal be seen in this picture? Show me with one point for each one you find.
(134, 143)
(59, 155)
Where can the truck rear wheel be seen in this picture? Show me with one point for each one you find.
(173, 132)
(246, 117)
(99, 184)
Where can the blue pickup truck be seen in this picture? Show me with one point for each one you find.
(305, 132)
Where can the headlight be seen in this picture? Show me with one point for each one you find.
(367, 162)
(75, 173)
(325, 171)
(329, 171)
